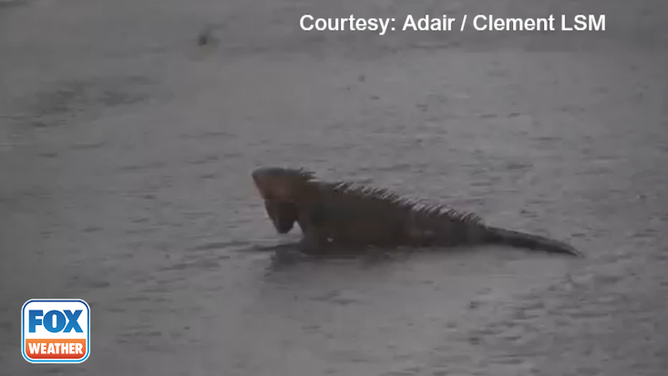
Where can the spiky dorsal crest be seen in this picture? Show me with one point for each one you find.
(302, 174)
(387, 197)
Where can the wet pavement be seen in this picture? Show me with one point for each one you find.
(126, 148)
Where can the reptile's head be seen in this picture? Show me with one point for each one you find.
(280, 188)
(282, 214)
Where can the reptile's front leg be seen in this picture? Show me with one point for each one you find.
(312, 221)
(313, 242)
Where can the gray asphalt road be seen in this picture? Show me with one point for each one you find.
(125, 150)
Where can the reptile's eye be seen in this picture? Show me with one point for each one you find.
(281, 191)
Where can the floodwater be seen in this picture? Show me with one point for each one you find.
(126, 148)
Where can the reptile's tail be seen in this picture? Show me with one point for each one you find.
(523, 240)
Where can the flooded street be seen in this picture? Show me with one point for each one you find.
(125, 158)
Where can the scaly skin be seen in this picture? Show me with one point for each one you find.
(348, 215)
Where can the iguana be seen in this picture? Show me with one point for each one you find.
(346, 214)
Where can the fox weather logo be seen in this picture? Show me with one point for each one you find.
(55, 331)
